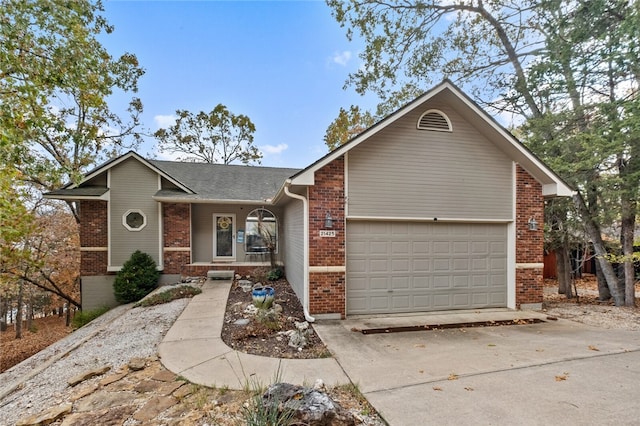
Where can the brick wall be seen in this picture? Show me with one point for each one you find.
(176, 235)
(327, 289)
(529, 244)
(93, 237)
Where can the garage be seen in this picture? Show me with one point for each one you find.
(404, 267)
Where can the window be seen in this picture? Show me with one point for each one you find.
(134, 220)
(434, 120)
(261, 232)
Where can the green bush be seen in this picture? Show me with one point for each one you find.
(81, 318)
(137, 278)
(275, 274)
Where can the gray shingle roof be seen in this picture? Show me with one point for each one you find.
(224, 182)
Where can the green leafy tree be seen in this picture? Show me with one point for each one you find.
(55, 78)
(137, 278)
(569, 70)
(347, 125)
(217, 137)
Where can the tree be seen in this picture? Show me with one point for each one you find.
(569, 70)
(137, 278)
(347, 125)
(55, 78)
(217, 137)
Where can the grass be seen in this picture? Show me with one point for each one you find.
(168, 295)
(82, 318)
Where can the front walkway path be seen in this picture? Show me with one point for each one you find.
(194, 350)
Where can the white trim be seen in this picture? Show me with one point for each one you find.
(188, 200)
(427, 219)
(160, 210)
(103, 197)
(326, 269)
(233, 237)
(305, 212)
(141, 213)
(165, 249)
(346, 184)
(512, 242)
(529, 265)
(109, 236)
(95, 249)
(449, 128)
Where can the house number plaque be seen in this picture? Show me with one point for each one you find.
(325, 233)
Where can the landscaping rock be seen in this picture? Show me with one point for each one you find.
(47, 416)
(137, 364)
(88, 375)
(311, 407)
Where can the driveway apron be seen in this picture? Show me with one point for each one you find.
(552, 372)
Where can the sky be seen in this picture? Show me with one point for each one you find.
(282, 63)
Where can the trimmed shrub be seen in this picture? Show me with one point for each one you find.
(82, 318)
(137, 278)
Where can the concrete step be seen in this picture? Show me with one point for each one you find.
(220, 275)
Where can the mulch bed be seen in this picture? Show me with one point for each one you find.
(265, 337)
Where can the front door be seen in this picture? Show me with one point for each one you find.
(225, 233)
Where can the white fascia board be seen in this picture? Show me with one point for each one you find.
(210, 201)
(103, 197)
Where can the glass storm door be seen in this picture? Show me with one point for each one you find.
(223, 244)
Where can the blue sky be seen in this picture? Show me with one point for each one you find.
(282, 63)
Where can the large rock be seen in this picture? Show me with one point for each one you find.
(310, 407)
(88, 375)
(47, 416)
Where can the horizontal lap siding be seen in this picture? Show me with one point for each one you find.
(132, 187)
(294, 255)
(405, 172)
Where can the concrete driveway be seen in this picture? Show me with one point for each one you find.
(557, 372)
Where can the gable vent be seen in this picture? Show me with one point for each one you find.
(434, 120)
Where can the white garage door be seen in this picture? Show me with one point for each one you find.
(395, 267)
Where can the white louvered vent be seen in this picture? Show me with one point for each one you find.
(434, 120)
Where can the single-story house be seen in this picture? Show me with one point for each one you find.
(435, 207)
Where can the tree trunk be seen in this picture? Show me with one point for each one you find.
(19, 311)
(30, 314)
(564, 272)
(603, 291)
(626, 237)
(598, 246)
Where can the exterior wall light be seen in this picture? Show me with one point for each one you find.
(533, 225)
(328, 221)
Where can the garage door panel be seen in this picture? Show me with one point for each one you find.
(415, 267)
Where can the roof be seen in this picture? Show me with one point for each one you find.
(191, 182)
(223, 182)
(552, 184)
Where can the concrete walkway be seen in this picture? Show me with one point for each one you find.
(193, 349)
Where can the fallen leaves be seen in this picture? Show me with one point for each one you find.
(452, 376)
(593, 348)
(562, 377)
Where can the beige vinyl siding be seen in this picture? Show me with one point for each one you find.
(403, 172)
(97, 292)
(294, 255)
(126, 195)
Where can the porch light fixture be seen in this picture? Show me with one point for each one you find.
(328, 221)
(533, 225)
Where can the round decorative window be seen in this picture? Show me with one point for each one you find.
(134, 220)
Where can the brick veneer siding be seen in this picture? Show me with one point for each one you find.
(176, 235)
(93, 237)
(327, 290)
(529, 244)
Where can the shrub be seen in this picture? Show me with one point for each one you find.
(137, 278)
(275, 274)
(81, 318)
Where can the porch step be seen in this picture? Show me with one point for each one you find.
(220, 275)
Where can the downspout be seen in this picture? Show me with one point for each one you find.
(305, 208)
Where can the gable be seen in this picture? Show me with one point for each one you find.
(403, 171)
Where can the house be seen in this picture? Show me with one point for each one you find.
(436, 207)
